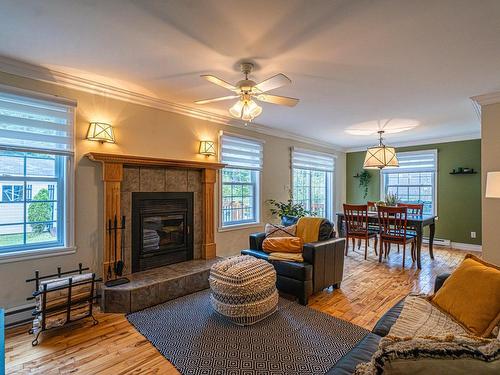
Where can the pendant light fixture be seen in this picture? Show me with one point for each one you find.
(381, 156)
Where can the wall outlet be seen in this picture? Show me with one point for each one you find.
(472, 234)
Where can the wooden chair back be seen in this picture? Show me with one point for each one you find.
(413, 208)
(393, 223)
(356, 218)
(372, 206)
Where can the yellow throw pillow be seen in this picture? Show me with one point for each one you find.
(471, 295)
(282, 245)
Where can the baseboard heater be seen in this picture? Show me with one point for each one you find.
(437, 241)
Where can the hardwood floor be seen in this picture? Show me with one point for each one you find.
(114, 347)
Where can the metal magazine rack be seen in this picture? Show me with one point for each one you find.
(57, 301)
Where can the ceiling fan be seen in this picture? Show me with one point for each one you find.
(247, 91)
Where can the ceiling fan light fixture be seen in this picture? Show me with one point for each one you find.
(246, 110)
(250, 111)
(237, 109)
(248, 91)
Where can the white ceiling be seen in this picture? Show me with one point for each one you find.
(351, 61)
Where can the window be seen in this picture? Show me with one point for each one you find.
(312, 181)
(415, 179)
(240, 186)
(12, 193)
(36, 152)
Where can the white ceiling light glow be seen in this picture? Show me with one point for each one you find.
(388, 126)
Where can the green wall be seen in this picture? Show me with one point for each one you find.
(458, 196)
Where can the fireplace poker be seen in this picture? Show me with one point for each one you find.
(120, 264)
(109, 275)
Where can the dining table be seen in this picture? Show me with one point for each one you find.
(416, 222)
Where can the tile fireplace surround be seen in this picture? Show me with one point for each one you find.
(165, 180)
(124, 174)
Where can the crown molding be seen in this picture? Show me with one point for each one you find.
(485, 99)
(424, 142)
(39, 73)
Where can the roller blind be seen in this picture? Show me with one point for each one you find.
(242, 153)
(35, 125)
(305, 159)
(421, 161)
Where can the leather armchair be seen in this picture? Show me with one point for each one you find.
(323, 266)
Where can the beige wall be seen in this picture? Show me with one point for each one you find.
(142, 131)
(490, 161)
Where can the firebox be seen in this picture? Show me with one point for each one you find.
(162, 230)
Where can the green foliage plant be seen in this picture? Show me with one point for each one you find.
(40, 211)
(288, 208)
(364, 181)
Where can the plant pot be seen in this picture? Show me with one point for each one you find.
(289, 220)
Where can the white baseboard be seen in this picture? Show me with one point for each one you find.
(20, 316)
(466, 246)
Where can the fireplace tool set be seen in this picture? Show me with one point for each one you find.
(118, 265)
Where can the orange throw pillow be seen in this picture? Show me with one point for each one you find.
(471, 295)
(283, 245)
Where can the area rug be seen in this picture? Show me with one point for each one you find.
(294, 340)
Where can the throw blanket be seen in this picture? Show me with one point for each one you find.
(434, 355)
(286, 256)
(308, 228)
(420, 318)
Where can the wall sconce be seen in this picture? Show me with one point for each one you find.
(207, 148)
(492, 185)
(101, 132)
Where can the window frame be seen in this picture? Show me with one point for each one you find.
(67, 170)
(329, 204)
(256, 201)
(331, 178)
(435, 176)
(257, 188)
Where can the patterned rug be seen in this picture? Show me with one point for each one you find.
(294, 340)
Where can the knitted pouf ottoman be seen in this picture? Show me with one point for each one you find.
(243, 289)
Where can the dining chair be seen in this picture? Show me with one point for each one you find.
(393, 230)
(356, 222)
(412, 209)
(372, 207)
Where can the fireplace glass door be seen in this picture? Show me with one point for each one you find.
(163, 232)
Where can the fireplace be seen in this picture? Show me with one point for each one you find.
(162, 229)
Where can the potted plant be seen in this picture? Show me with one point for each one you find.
(364, 180)
(289, 211)
(391, 199)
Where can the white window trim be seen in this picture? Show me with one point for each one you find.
(69, 215)
(436, 179)
(331, 192)
(226, 228)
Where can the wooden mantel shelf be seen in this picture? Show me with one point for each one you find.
(129, 160)
(112, 176)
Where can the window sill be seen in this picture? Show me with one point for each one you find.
(239, 226)
(17, 256)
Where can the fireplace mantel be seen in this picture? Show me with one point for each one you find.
(112, 176)
(145, 161)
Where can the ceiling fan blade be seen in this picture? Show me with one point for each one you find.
(276, 99)
(219, 82)
(273, 83)
(213, 100)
